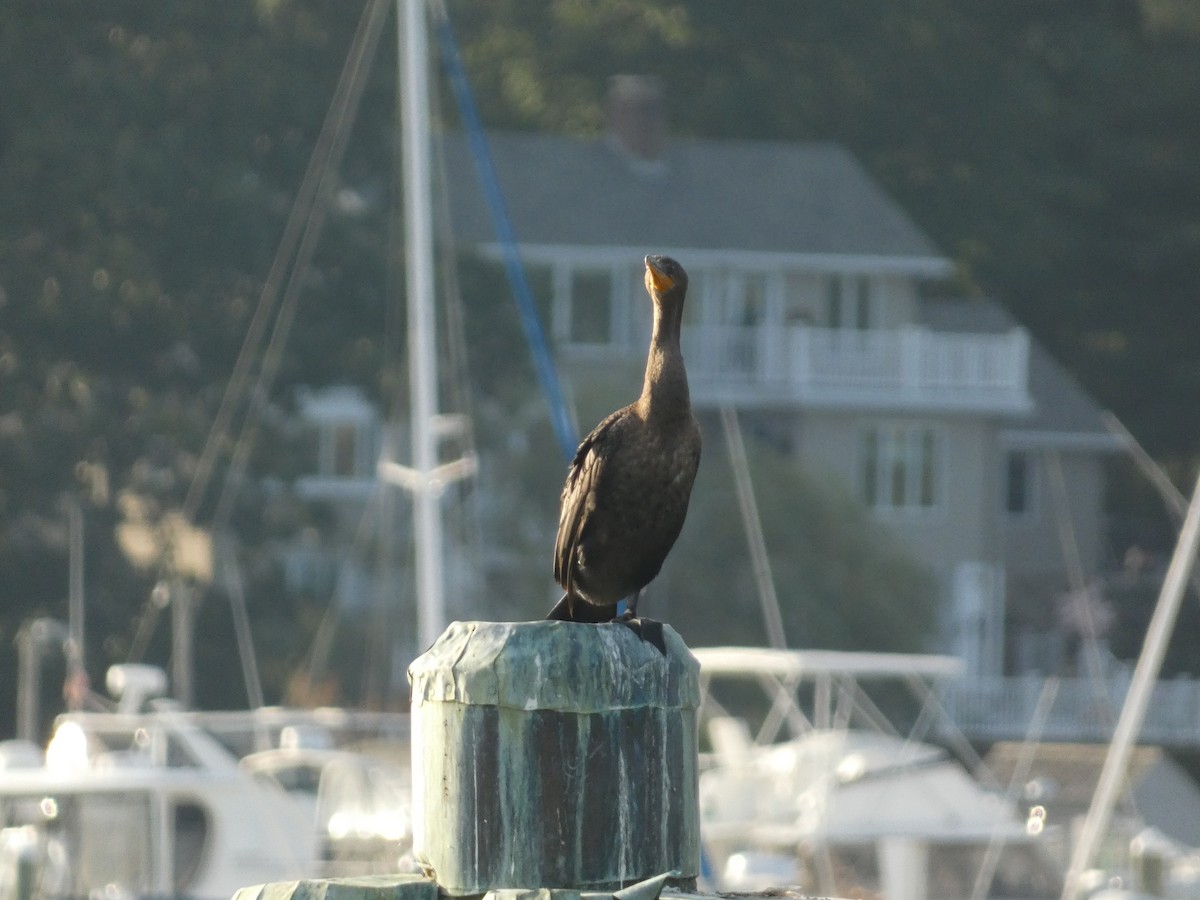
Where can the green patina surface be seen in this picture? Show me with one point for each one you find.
(554, 755)
(554, 665)
(416, 887)
(366, 887)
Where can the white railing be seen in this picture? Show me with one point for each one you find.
(910, 365)
(1083, 709)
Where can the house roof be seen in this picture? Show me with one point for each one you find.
(807, 201)
(801, 199)
(1064, 414)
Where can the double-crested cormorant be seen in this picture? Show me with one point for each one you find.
(627, 490)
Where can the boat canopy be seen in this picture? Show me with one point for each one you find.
(798, 665)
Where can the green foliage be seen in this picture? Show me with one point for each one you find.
(842, 580)
(1045, 146)
(149, 154)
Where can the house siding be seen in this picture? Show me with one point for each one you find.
(766, 230)
(1033, 543)
(953, 530)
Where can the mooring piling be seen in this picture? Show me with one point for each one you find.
(554, 755)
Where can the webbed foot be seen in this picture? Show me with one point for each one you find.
(649, 630)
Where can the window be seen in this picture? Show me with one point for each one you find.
(111, 836)
(1018, 483)
(900, 467)
(848, 302)
(540, 279)
(192, 831)
(799, 299)
(345, 450)
(752, 308)
(591, 306)
(862, 303)
(833, 297)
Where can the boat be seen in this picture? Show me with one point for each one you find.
(827, 795)
(152, 800)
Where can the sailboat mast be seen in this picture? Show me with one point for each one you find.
(422, 334)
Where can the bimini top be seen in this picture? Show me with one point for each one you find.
(751, 662)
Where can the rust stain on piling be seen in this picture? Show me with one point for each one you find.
(565, 756)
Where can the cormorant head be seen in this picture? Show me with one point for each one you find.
(665, 278)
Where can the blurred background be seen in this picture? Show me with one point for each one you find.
(931, 244)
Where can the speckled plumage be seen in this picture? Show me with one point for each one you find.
(627, 490)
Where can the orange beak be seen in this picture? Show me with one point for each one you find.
(661, 280)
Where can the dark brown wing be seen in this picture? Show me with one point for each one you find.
(579, 486)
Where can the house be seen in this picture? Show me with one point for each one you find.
(806, 313)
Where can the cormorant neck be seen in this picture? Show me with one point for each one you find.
(665, 388)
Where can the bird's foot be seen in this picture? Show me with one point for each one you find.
(649, 630)
(581, 611)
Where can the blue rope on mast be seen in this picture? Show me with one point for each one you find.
(564, 430)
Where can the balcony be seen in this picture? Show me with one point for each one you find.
(910, 368)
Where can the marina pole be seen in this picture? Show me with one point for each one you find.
(422, 334)
(1133, 712)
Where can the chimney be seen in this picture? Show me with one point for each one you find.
(636, 118)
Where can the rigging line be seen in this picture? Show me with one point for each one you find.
(339, 119)
(322, 645)
(950, 732)
(1079, 589)
(317, 663)
(467, 522)
(236, 589)
(1133, 712)
(535, 336)
(306, 196)
(1175, 502)
(146, 624)
(455, 336)
(761, 562)
(357, 67)
(1024, 764)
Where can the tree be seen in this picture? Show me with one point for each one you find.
(149, 154)
(1044, 146)
(843, 581)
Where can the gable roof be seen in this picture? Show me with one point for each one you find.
(1064, 414)
(800, 199)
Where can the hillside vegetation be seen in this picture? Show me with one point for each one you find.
(150, 152)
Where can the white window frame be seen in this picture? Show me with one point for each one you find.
(565, 301)
(900, 447)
